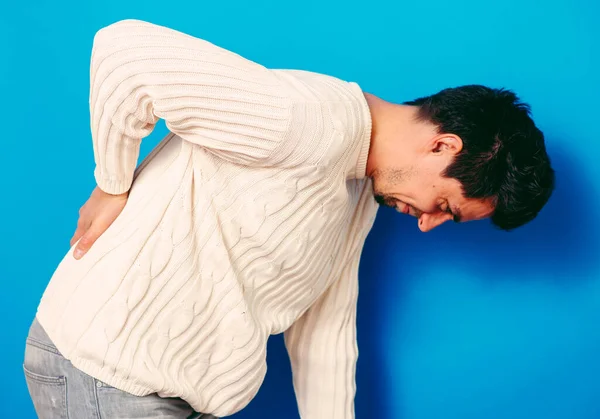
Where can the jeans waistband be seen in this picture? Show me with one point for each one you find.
(39, 336)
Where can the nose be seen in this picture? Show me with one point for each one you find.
(428, 222)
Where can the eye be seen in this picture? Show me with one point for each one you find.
(447, 208)
(455, 217)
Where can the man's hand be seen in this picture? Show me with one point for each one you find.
(96, 215)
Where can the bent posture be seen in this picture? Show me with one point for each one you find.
(248, 220)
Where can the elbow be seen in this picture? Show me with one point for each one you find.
(109, 64)
(110, 40)
(113, 29)
(114, 36)
(103, 39)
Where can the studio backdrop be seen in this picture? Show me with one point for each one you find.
(465, 322)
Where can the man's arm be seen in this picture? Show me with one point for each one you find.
(141, 72)
(323, 351)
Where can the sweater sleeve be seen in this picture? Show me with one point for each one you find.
(141, 72)
(323, 352)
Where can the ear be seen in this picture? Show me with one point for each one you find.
(446, 143)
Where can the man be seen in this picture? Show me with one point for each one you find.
(248, 220)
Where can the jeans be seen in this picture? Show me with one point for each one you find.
(61, 391)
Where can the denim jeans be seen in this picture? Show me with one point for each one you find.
(60, 391)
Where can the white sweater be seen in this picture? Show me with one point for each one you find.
(247, 220)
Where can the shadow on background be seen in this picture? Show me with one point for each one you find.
(550, 247)
(276, 396)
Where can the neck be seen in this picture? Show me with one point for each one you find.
(391, 127)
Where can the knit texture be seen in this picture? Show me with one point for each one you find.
(247, 220)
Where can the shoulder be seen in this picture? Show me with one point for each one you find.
(329, 119)
(318, 87)
(340, 103)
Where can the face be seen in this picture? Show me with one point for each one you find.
(422, 191)
(406, 163)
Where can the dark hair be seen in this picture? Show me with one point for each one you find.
(503, 157)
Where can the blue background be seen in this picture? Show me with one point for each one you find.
(464, 322)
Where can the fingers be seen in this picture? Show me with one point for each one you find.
(95, 216)
(87, 240)
(77, 235)
(82, 227)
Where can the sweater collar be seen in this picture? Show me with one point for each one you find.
(360, 156)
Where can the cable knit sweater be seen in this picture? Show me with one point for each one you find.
(247, 220)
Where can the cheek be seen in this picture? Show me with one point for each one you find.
(427, 196)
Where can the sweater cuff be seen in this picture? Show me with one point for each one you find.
(111, 185)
